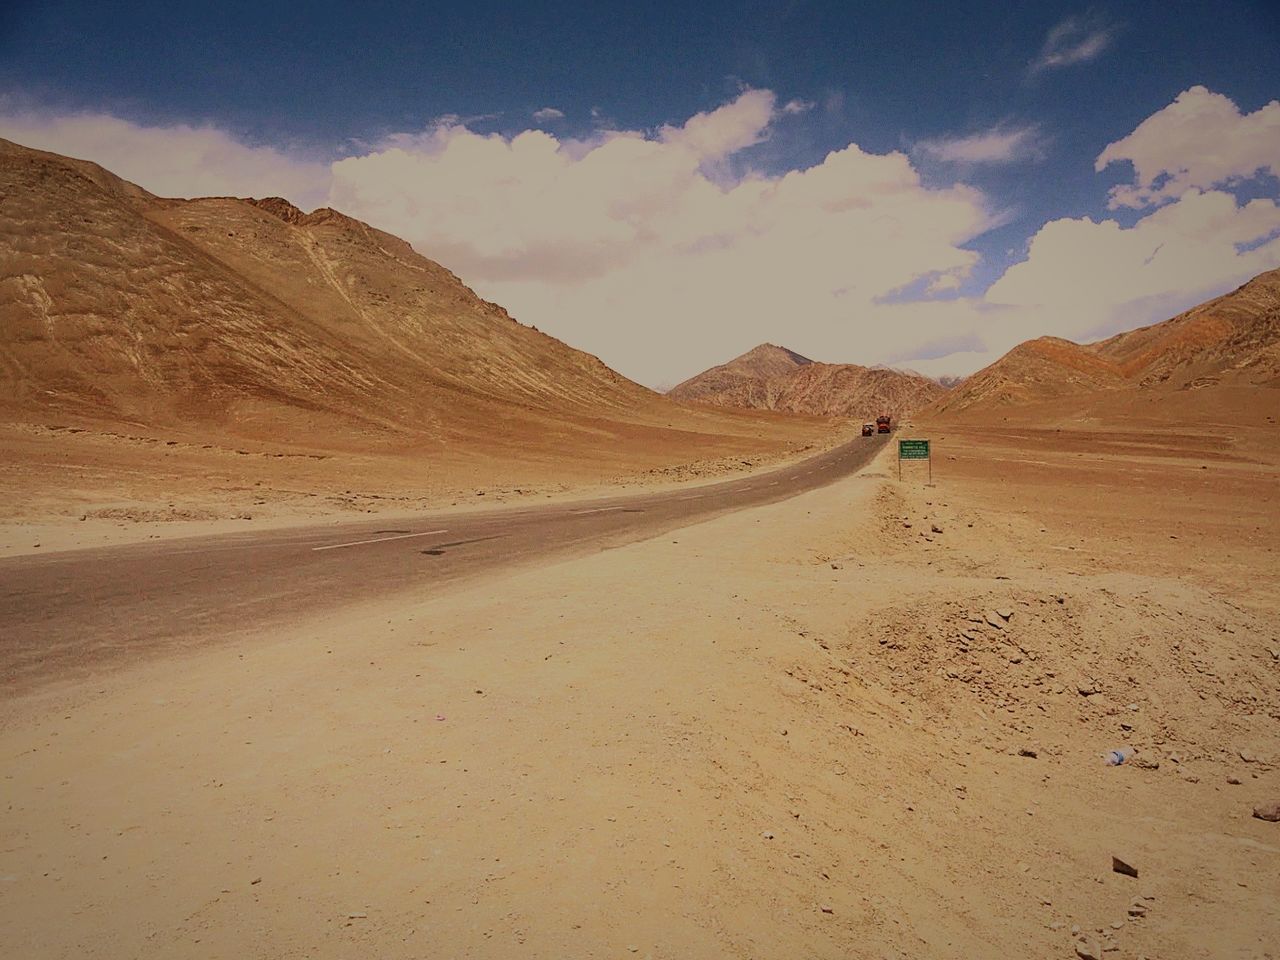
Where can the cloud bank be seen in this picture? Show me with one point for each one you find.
(666, 251)
(1199, 141)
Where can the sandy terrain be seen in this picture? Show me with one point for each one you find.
(66, 487)
(792, 731)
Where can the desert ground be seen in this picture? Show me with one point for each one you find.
(867, 721)
(73, 486)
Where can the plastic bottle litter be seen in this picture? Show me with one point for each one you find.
(1113, 758)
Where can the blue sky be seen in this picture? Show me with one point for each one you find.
(1030, 93)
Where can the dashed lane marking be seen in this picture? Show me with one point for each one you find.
(357, 543)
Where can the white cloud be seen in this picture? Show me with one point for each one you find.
(997, 145)
(644, 249)
(1074, 40)
(173, 161)
(1201, 140)
(548, 113)
(665, 253)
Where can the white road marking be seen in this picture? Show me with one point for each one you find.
(399, 536)
(696, 496)
(775, 483)
(597, 510)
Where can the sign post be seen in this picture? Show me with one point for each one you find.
(914, 450)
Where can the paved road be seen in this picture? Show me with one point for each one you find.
(68, 614)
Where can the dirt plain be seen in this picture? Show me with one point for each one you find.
(798, 730)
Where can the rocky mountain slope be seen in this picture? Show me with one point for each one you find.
(775, 378)
(1231, 341)
(252, 317)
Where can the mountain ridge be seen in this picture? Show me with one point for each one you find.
(770, 377)
(1230, 340)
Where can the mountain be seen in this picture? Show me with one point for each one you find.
(253, 318)
(1231, 341)
(741, 382)
(775, 378)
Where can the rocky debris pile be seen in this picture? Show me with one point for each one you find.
(1182, 677)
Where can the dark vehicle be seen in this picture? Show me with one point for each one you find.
(882, 424)
(868, 429)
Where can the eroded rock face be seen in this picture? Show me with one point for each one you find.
(770, 377)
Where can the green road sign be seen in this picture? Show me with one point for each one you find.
(913, 449)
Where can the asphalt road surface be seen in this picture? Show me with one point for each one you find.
(69, 614)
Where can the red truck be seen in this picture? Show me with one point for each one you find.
(882, 424)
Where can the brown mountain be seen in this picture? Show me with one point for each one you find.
(246, 314)
(774, 378)
(1231, 341)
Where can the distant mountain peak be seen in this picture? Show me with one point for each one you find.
(770, 377)
(773, 350)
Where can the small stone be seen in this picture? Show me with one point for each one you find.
(1088, 951)
(357, 916)
(1027, 752)
(1075, 929)
(1117, 925)
(1137, 909)
(1245, 755)
(768, 835)
(254, 881)
(1120, 866)
(906, 526)
(827, 908)
(993, 618)
(1268, 811)
(1233, 780)
(935, 528)
(1004, 613)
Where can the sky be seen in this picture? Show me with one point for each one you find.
(666, 185)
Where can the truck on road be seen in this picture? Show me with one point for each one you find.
(882, 424)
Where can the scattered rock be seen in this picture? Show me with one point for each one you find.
(255, 881)
(993, 618)
(827, 908)
(1138, 909)
(1004, 613)
(768, 835)
(357, 916)
(1245, 755)
(1121, 866)
(1086, 950)
(906, 526)
(1087, 688)
(935, 528)
(1233, 780)
(1268, 811)
(1027, 752)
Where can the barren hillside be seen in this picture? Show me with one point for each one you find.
(1232, 341)
(774, 378)
(222, 353)
(250, 315)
